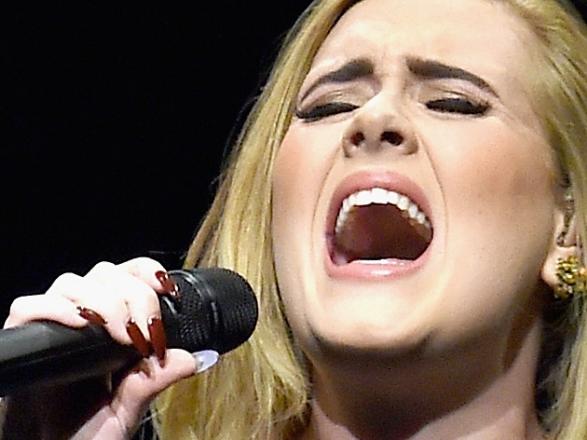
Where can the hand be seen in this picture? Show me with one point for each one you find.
(122, 298)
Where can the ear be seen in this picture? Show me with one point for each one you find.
(564, 242)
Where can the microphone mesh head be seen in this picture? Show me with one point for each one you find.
(216, 309)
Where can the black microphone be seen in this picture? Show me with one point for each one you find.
(215, 309)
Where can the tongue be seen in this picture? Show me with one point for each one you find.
(378, 232)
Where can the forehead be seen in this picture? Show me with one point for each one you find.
(483, 36)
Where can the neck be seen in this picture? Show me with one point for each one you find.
(470, 396)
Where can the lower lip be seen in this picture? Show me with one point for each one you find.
(386, 269)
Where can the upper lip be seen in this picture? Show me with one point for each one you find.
(391, 181)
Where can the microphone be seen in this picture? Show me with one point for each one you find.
(215, 309)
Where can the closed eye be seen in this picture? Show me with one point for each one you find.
(324, 110)
(457, 105)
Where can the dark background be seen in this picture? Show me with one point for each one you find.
(116, 119)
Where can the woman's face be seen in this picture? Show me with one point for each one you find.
(422, 106)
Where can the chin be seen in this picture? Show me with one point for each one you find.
(360, 350)
(357, 336)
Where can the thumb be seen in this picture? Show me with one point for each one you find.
(142, 384)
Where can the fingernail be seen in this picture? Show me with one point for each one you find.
(91, 316)
(167, 283)
(205, 359)
(158, 338)
(137, 338)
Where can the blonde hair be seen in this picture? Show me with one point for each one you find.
(260, 389)
(559, 89)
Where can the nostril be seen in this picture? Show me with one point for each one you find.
(357, 138)
(392, 137)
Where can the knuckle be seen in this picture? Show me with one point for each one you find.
(63, 281)
(102, 266)
(142, 294)
(142, 266)
(20, 307)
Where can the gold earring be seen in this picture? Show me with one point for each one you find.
(572, 278)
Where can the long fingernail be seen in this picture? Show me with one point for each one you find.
(167, 283)
(137, 338)
(205, 359)
(158, 338)
(91, 316)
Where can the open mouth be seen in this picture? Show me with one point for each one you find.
(376, 225)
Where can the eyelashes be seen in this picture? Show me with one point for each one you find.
(460, 106)
(325, 110)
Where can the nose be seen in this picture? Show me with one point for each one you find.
(376, 128)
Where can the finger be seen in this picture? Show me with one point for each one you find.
(67, 282)
(78, 290)
(141, 302)
(137, 390)
(142, 268)
(149, 271)
(35, 307)
(167, 284)
(138, 294)
(91, 294)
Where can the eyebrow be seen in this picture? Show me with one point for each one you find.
(354, 69)
(429, 69)
(426, 69)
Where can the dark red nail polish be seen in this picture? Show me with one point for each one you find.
(158, 338)
(91, 316)
(167, 283)
(137, 338)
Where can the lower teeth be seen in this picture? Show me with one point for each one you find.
(382, 261)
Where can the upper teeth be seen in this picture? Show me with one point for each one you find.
(380, 196)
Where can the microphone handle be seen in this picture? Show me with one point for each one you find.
(50, 353)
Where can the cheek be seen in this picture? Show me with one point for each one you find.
(496, 166)
(296, 178)
(498, 194)
(287, 175)
(505, 176)
(301, 166)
